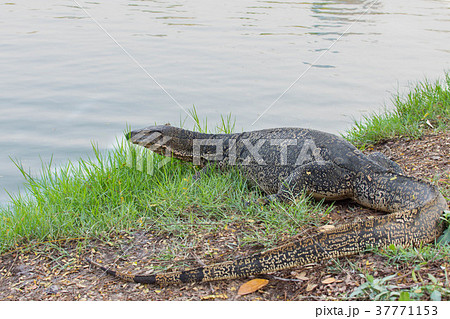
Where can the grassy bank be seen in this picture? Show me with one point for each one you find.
(426, 106)
(129, 188)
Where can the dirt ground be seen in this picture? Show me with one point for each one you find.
(58, 271)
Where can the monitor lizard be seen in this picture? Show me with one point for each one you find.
(283, 161)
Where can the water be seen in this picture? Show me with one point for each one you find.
(64, 83)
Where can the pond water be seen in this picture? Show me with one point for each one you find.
(70, 76)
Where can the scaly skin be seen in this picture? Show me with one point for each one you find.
(286, 160)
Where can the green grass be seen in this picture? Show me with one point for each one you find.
(382, 289)
(412, 263)
(131, 188)
(425, 107)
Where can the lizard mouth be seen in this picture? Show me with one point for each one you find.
(151, 137)
(141, 133)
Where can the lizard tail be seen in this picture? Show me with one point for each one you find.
(408, 227)
(149, 279)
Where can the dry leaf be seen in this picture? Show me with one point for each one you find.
(328, 280)
(310, 287)
(302, 276)
(252, 286)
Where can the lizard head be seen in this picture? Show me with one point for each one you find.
(147, 136)
(165, 140)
